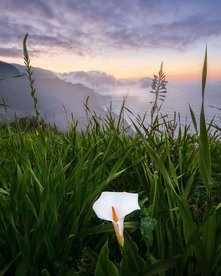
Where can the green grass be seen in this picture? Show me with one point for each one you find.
(50, 180)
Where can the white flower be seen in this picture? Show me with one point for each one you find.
(114, 206)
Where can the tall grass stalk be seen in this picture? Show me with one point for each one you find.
(30, 78)
(159, 90)
(204, 153)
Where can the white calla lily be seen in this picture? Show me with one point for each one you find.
(114, 206)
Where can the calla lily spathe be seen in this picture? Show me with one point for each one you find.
(114, 206)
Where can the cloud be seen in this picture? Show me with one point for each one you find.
(139, 82)
(105, 84)
(7, 52)
(25, 7)
(96, 27)
(97, 80)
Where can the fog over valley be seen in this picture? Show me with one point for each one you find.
(62, 94)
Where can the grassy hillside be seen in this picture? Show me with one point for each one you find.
(49, 182)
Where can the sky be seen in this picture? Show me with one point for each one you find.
(126, 39)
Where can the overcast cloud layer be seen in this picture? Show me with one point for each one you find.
(90, 27)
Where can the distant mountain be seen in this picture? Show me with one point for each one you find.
(7, 71)
(57, 99)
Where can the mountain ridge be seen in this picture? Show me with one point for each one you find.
(57, 99)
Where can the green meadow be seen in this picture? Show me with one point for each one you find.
(49, 181)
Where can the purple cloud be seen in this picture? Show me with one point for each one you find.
(93, 27)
